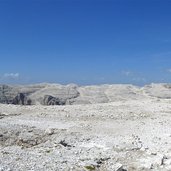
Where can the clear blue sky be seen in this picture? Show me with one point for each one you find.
(85, 41)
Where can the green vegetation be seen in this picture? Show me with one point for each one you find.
(90, 167)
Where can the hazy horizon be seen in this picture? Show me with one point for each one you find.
(85, 42)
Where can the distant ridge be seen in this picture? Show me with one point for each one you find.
(57, 94)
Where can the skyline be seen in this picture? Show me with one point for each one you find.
(85, 42)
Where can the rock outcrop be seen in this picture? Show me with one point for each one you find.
(21, 99)
(162, 91)
(7, 94)
(50, 100)
(56, 94)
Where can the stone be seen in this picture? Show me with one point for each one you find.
(49, 131)
(167, 162)
(117, 167)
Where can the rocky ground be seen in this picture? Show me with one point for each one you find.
(125, 135)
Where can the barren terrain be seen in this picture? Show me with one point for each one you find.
(124, 134)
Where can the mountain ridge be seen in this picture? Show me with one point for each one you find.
(70, 94)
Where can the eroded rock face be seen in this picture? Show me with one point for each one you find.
(50, 100)
(21, 99)
(60, 92)
(162, 91)
(6, 94)
(56, 94)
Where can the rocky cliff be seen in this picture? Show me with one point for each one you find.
(56, 94)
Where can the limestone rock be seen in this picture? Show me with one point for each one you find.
(49, 131)
(7, 93)
(21, 99)
(56, 94)
(50, 100)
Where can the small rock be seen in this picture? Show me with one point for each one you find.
(5, 169)
(30, 130)
(63, 143)
(76, 152)
(167, 162)
(118, 167)
(154, 153)
(168, 155)
(91, 167)
(49, 131)
(168, 167)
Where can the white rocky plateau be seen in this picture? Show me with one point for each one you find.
(100, 128)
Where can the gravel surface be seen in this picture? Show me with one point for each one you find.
(127, 135)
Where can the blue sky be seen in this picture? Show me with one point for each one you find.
(85, 41)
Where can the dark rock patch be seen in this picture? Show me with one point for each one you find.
(6, 94)
(50, 100)
(21, 99)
